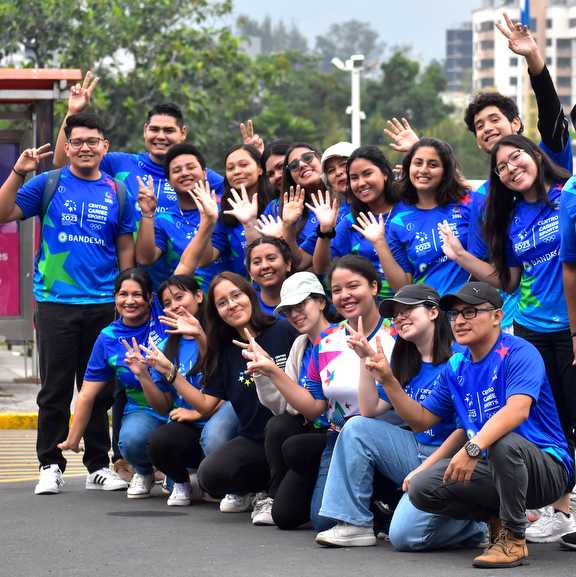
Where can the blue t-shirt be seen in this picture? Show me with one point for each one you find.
(231, 244)
(415, 242)
(77, 260)
(173, 231)
(533, 243)
(568, 222)
(475, 391)
(309, 243)
(108, 354)
(126, 166)
(187, 358)
(308, 230)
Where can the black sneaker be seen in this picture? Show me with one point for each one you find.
(568, 540)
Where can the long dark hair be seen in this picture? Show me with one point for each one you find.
(288, 181)
(406, 361)
(501, 200)
(261, 190)
(452, 187)
(185, 283)
(374, 155)
(219, 334)
(357, 264)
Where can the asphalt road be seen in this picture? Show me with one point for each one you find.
(99, 534)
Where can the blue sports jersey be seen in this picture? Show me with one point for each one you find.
(231, 244)
(77, 259)
(568, 222)
(187, 358)
(475, 391)
(107, 358)
(307, 231)
(173, 231)
(309, 243)
(415, 242)
(534, 245)
(126, 166)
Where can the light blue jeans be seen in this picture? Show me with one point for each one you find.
(133, 441)
(319, 521)
(365, 444)
(221, 427)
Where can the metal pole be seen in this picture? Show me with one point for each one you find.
(355, 105)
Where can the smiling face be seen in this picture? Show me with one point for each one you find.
(491, 125)
(352, 294)
(367, 181)
(426, 170)
(335, 170)
(185, 171)
(516, 169)
(476, 330)
(242, 169)
(309, 170)
(233, 305)
(132, 303)
(177, 300)
(267, 266)
(86, 158)
(414, 323)
(160, 133)
(274, 171)
(306, 316)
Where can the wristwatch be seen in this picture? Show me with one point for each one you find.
(472, 449)
(329, 234)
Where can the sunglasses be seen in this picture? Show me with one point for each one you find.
(307, 158)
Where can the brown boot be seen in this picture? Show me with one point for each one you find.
(494, 528)
(507, 551)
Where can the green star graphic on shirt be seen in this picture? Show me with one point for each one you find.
(51, 267)
(527, 299)
(121, 176)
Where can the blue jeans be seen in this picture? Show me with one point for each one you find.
(134, 433)
(365, 444)
(319, 521)
(221, 427)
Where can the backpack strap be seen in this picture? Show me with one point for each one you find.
(50, 186)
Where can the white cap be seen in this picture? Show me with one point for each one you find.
(298, 287)
(342, 149)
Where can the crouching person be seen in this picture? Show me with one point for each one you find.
(512, 453)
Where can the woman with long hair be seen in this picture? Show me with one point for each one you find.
(368, 445)
(523, 235)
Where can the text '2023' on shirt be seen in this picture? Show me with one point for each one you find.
(77, 260)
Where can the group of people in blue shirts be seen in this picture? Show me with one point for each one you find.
(316, 337)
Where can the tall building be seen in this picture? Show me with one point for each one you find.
(458, 66)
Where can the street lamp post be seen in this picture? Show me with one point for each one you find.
(354, 65)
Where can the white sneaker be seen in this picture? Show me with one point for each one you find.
(50, 480)
(346, 535)
(550, 527)
(106, 479)
(236, 503)
(140, 486)
(262, 513)
(180, 496)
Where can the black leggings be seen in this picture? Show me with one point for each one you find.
(175, 447)
(238, 467)
(301, 454)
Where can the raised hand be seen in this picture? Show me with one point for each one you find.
(268, 225)
(325, 210)
(81, 94)
(377, 364)
(259, 361)
(402, 135)
(293, 205)
(451, 245)
(183, 323)
(206, 201)
(244, 209)
(30, 158)
(155, 357)
(248, 136)
(370, 227)
(147, 201)
(134, 359)
(358, 342)
(520, 39)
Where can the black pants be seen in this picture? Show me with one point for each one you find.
(175, 447)
(66, 335)
(117, 413)
(238, 467)
(301, 455)
(516, 476)
(556, 350)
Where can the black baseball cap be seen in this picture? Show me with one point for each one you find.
(411, 294)
(473, 293)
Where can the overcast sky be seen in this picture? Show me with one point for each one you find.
(421, 23)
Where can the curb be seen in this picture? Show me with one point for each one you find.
(18, 420)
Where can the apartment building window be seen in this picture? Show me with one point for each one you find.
(487, 63)
(513, 61)
(563, 62)
(513, 81)
(566, 101)
(563, 43)
(486, 83)
(485, 26)
(564, 80)
(548, 61)
(486, 44)
(548, 41)
(548, 23)
(572, 22)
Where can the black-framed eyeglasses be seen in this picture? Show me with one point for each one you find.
(307, 158)
(468, 313)
(92, 142)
